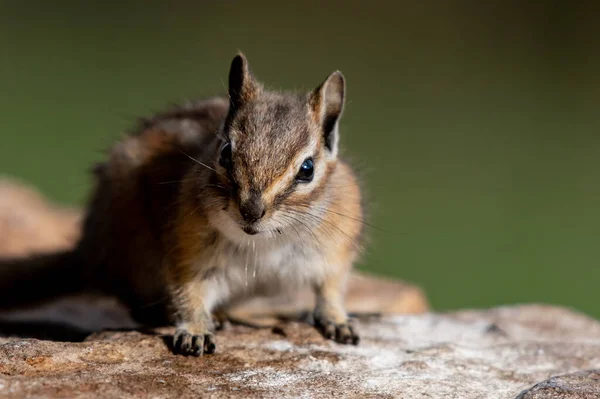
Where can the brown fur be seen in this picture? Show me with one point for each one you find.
(158, 229)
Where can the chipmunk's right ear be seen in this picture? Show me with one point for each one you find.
(327, 104)
(242, 85)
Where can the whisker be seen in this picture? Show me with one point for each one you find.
(324, 209)
(287, 219)
(323, 226)
(175, 181)
(223, 83)
(309, 230)
(216, 186)
(327, 226)
(195, 209)
(222, 138)
(255, 259)
(199, 163)
(348, 185)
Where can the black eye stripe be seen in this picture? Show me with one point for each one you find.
(279, 198)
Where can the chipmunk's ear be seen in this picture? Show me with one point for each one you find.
(242, 86)
(327, 104)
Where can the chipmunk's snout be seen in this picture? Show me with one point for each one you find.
(252, 209)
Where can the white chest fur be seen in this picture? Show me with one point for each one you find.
(260, 266)
(247, 265)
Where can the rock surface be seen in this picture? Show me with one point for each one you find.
(581, 385)
(29, 223)
(496, 353)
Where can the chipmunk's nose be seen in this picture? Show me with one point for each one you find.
(252, 209)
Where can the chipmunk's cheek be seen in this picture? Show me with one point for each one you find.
(226, 216)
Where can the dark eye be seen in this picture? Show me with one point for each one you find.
(225, 158)
(307, 171)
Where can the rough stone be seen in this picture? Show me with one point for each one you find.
(30, 223)
(495, 353)
(503, 352)
(580, 385)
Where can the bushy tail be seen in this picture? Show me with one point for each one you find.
(32, 280)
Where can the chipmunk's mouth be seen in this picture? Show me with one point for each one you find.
(250, 230)
(253, 230)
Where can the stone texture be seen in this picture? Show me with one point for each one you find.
(29, 223)
(494, 353)
(504, 352)
(580, 385)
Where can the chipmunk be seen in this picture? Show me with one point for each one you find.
(209, 204)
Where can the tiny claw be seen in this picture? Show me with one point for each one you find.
(209, 344)
(184, 343)
(330, 331)
(342, 333)
(197, 346)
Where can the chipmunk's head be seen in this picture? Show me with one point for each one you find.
(279, 153)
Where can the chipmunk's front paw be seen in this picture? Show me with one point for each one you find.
(342, 333)
(188, 344)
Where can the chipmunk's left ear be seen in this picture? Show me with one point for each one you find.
(326, 104)
(242, 85)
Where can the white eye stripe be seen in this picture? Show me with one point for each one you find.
(288, 178)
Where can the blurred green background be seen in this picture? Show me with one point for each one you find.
(474, 124)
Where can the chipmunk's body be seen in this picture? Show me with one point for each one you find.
(218, 201)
